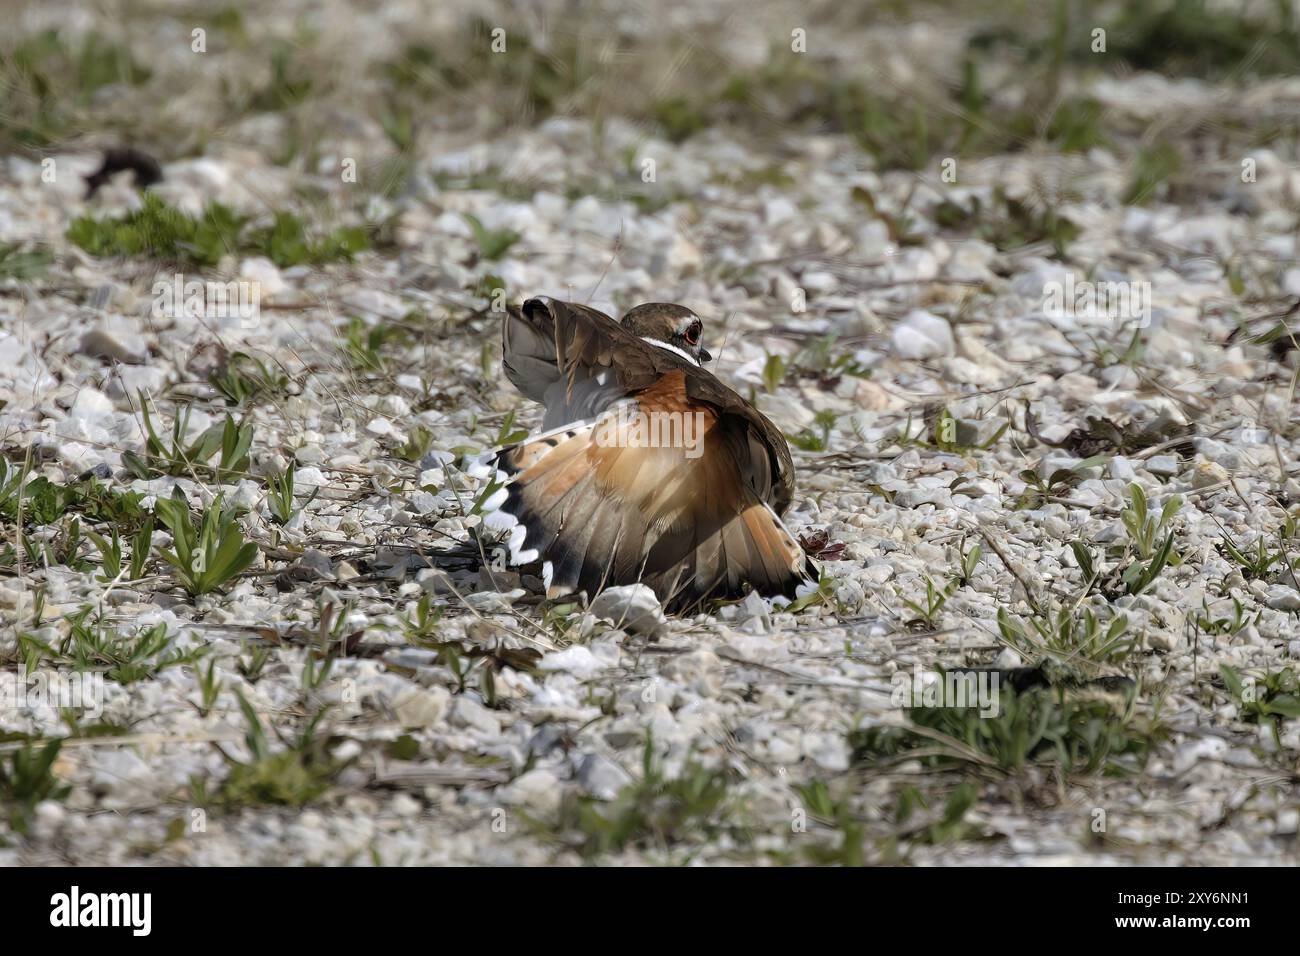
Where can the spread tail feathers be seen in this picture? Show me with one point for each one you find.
(597, 514)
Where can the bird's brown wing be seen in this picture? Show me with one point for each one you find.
(771, 471)
(603, 504)
(548, 341)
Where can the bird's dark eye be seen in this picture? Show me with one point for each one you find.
(692, 333)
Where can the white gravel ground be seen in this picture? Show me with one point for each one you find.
(884, 307)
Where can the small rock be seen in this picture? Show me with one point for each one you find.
(576, 660)
(538, 789)
(49, 814)
(602, 778)
(436, 459)
(779, 210)
(922, 335)
(264, 274)
(1207, 473)
(424, 707)
(436, 582)
(1282, 597)
(115, 341)
(546, 739)
(752, 614)
(878, 572)
(421, 502)
(313, 565)
(404, 805)
(90, 404)
(700, 670)
(490, 580)
(470, 713)
(1190, 754)
(376, 302)
(130, 380)
(829, 751)
(1162, 640)
(849, 595)
(1121, 469)
(1165, 466)
(632, 607)
(1288, 820)
(489, 601)
(1007, 659)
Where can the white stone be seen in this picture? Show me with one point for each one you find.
(115, 340)
(576, 660)
(922, 335)
(90, 404)
(264, 274)
(632, 607)
(422, 707)
(1283, 597)
(601, 777)
(474, 716)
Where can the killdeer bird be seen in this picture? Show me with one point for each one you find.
(647, 467)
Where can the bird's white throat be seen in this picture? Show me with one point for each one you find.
(671, 348)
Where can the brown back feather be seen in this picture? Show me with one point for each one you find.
(690, 527)
(569, 341)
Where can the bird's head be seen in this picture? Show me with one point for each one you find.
(672, 324)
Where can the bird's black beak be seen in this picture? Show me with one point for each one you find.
(704, 355)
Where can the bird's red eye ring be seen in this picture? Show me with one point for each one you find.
(692, 333)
